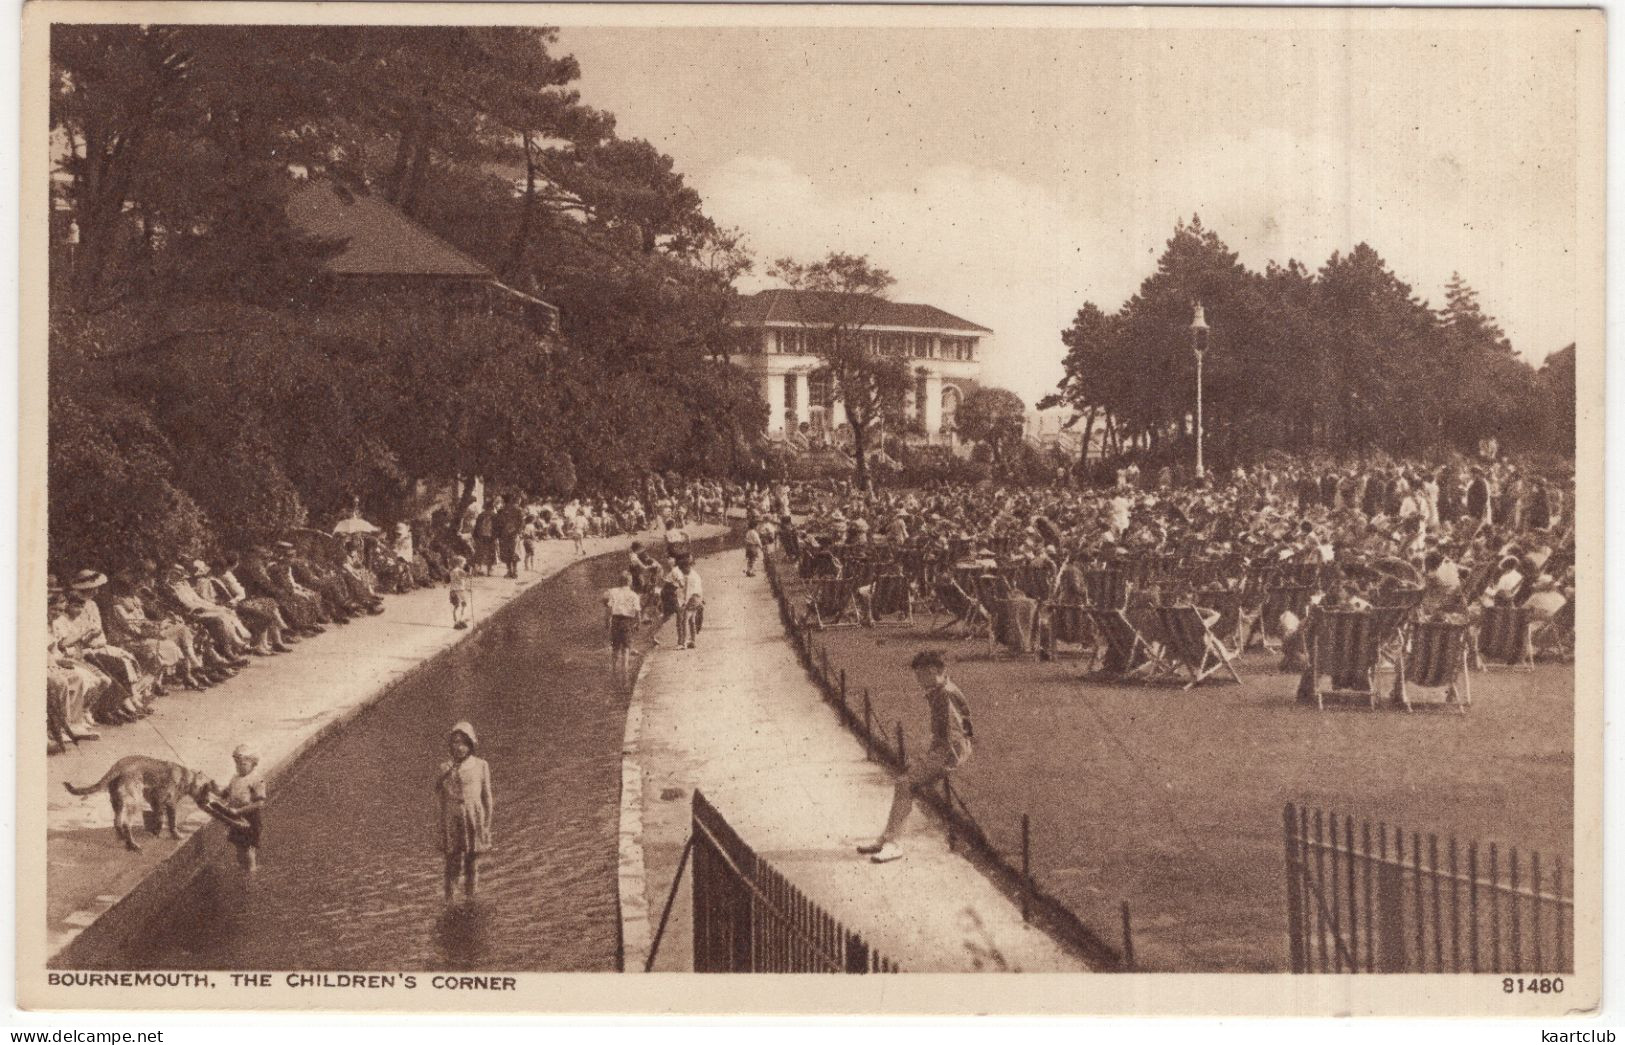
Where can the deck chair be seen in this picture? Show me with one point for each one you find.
(1473, 585)
(1239, 615)
(961, 607)
(1069, 624)
(820, 563)
(1032, 581)
(1555, 636)
(1015, 623)
(1279, 599)
(1193, 646)
(830, 602)
(1127, 654)
(1436, 659)
(892, 597)
(1343, 644)
(1106, 589)
(1503, 637)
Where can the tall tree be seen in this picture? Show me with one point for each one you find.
(841, 299)
(995, 418)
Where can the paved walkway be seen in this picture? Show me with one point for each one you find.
(279, 706)
(739, 719)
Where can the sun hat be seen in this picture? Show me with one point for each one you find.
(200, 568)
(468, 733)
(88, 580)
(244, 751)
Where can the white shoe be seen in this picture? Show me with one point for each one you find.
(871, 848)
(888, 852)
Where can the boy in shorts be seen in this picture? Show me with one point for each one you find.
(462, 592)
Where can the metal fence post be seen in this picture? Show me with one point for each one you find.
(1128, 939)
(857, 954)
(868, 728)
(1026, 868)
(1392, 953)
(1294, 902)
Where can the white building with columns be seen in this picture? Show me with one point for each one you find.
(945, 353)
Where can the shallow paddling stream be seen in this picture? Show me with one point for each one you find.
(350, 873)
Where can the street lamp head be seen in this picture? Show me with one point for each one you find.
(1200, 322)
(1199, 332)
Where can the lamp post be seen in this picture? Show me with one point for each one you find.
(1199, 341)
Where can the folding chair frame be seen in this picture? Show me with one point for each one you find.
(1202, 664)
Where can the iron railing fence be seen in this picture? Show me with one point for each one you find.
(749, 918)
(1382, 900)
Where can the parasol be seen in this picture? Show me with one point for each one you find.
(354, 524)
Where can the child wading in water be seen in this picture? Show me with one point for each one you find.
(462, 592)
(244, 798)
(464, 791)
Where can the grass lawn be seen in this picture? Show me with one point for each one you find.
(1172, 800)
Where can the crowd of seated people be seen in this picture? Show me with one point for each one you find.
(115, 645)
(1382, 530)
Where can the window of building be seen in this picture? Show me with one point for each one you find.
(950, 407)
(818, 389)
(790, 384)
(919, 395)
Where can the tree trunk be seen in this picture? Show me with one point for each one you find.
(520, 244)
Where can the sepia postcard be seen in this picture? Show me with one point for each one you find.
(811, 509)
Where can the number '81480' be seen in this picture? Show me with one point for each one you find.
(1532, 985)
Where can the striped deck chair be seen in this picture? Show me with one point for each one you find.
(1393, 616)
(1035, 582)
(1473, 585)
(893, 598)
(820, 563)
(1069, 622)
(1127, 654)
(961, 606)
(1503, 637)
(830, 603)
(1554, 637)
(1015, 623)
(1106, 589)
(1437, 659)
(1278, 599)
(991, 587)
(1343, 644)
(1239, 612)
(1193, 646)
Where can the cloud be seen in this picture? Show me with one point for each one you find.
(1017, 257)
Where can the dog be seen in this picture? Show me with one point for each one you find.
(137, 783)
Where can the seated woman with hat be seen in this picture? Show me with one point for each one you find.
(81, 635)
(72, 686)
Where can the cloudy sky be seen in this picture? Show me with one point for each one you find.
(1010, 175)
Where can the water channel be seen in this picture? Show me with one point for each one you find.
(351, 876)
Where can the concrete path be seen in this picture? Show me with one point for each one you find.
(279, 706)
(738, 719)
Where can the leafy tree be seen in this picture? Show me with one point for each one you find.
(995, 418)
(842, 296)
